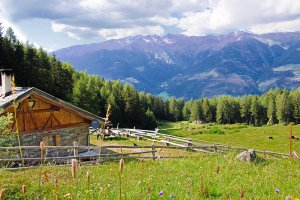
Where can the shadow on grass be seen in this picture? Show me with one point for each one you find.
(120, 139)
(260, 161)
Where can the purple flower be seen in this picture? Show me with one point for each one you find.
(277, 191)
(172, 196)
(161, 193)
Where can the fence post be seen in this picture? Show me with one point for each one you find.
(75, 143)
(291, 139)
(153, 152)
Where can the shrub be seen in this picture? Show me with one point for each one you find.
(214, 130)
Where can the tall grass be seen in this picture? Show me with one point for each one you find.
(211, 177)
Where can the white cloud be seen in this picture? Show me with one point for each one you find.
(6, 24)
(74, 32)
(171, 21)
(81, 19)
(230, 15)
(124, 32)
(285, 26)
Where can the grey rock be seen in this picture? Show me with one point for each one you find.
(248, 156)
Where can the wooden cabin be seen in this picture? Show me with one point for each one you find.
(43, 117)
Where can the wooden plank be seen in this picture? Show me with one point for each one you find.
(62, 106)
(42, 110)
(47, 122)
(33, 120)
(56, 120)
(178, 139)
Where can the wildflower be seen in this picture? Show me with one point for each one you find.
(24, 190)
(38, 197)
(277, 191)
(242, 193)
(68, 196)
(2, 194)
(45, 176)
(56, 188)
(228, 196)
(148, 191)
(121, 165)
(288, 198)
(161, 193)
(42, 146)
(88, 176)
(172, 196)
(42, 182)
(74, 167)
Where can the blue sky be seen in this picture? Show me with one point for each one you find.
(55, 24)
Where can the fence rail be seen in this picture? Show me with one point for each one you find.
(203, 148)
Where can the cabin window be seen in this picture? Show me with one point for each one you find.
(31, 103)
(52, 140)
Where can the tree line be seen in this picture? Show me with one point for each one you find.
(275, 106)
(36, 68)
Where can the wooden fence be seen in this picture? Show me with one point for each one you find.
(32, 155)
(95, 152)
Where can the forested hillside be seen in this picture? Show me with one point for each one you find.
(36, 68)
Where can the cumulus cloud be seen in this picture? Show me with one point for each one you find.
(119, 33)
(230, 15)
(118, 18)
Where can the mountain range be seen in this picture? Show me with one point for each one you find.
(235, 64)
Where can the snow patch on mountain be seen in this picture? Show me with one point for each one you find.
(163, 56)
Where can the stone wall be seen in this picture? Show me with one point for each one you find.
(67, 137)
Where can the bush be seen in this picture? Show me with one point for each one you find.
(214, 130)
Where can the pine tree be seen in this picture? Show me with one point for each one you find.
(195, 111)
(255, 110)
(283, 107)
(206, 110)
(245, 104)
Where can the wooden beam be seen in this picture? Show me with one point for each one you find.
(57, 121)
(30, 114)
(33, 120)
(61, 106)
(52, 109)
(44, 127)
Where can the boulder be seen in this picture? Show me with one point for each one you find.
(248, 156)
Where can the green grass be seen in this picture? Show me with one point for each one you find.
(237, 135)
(190, 178)
(183, 178)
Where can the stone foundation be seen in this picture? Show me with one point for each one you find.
(67, 137)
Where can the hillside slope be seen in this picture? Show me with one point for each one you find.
(197, 66)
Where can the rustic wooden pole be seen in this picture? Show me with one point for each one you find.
(75, 143)
(153, 152)
(291, 141)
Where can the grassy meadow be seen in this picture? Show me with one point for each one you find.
(193, 178)
(201, 177)
(237, 134)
